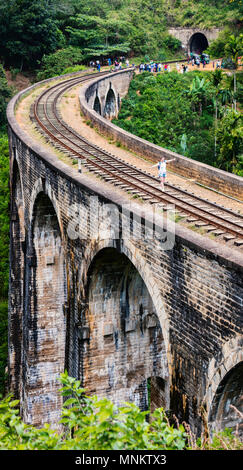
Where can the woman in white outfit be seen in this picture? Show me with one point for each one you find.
(162, 170)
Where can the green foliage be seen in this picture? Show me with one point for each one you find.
(234, 48)
(14, 434)
(239, 87)
(30, 29)
(230, 139)
(118, 27)
(163, 108)
(92, 423)
(55, 64)
(98, 424)
(182, 113)
(5, 95)
(75, 68)
(227, 45)
(203, 13)
(27, 31)
(224, 440)
(200, 91)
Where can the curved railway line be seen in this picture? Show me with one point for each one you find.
(196, 211)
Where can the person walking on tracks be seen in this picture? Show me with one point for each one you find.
(161, 165)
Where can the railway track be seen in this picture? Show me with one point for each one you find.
(195, 211)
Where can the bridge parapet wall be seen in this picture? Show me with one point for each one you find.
(205, 174)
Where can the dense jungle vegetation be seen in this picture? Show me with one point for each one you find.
(32, 30)
(44, 38)
(192, 114)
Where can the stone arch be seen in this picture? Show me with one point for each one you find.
(220, 373)
(125, 332)
(43, 186)
(198, 43)
(227, 400)
(46, 295)
(130, 251)
(97, 105)
(110, 109)
(16, 287)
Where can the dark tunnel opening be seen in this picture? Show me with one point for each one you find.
(198, 43)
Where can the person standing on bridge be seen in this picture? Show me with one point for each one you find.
(161, 165)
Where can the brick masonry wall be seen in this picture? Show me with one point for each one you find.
(117, 313)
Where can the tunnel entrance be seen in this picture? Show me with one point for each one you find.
(198, 43)
(126, 344)
(227, 405)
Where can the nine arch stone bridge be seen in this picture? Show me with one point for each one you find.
(118, 312)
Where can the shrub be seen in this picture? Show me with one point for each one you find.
(53, 64)
(5, 95)
(92, 423)
(169, 106)
(76, 68)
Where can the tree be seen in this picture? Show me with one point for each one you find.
(200, 91)
(89, 30)
(234, 47)
(230, 140)
(54, 64)
(27, 31)
(5, 95)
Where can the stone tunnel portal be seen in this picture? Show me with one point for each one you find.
(198, 43)
(126, 353)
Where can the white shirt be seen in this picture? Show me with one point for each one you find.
(162, 167)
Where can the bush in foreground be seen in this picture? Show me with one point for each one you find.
(91, 423)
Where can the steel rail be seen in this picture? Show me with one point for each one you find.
(126, 179)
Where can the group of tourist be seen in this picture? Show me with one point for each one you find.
(151, 66)
(155, 67)
(116, 64)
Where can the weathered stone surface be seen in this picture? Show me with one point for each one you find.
(119, 313)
